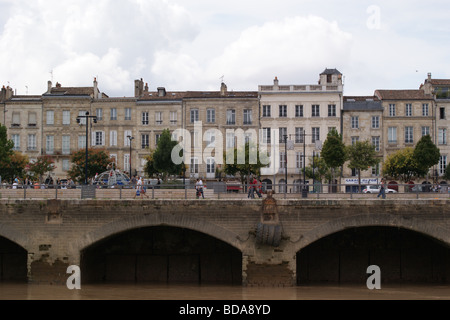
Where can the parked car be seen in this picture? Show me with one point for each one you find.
(376, 189)
(421, 188)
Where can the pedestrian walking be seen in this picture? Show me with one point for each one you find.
(382, 192)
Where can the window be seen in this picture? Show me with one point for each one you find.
(66, 117)
(375, 122)
(65, 165)
(442, 164)
(32, 142)
(299, 160)
(248, 116)
(332, 110)
(145, 118)
(442, 136)
(16, 140)
(99, 138)
(376, 170)
(409, 137)
(355, 122)
(282, 160)
(159, 117)
(50, 117)
(127, 113)
(266, 111)
(231, 116)
(354, 172)
(315, 134)
(315, 110)
(391, 110)
(113, 114)
(376, 143)
(210, 166)
(145, 141)
(282, 133)
(32, 122)
(210, 138)
(441, 113)
(392, 135)
(230, 140)
(210, 115)
(354, 140)
(194, 115)
(157, 137)
(173, 117)
(282, 111)
(126, 140)
(49, 144)
(425, 131)
(425, 109)
(299, 138)
(16, 119)
(82, 114)
(266, 135)
(81, 142)
(299, 111)
(113, 138)
(194, 165)
(65, 144)
(99, 114)
(196, 139)
(248, 137)
(126, 162)
(408, 110)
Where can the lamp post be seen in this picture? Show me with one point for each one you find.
(86, 117)
(131, 139)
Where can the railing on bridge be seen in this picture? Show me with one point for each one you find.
(180, 191)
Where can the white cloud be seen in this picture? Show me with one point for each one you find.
(293, 49)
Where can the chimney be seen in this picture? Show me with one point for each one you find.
(275, 82)
(9, 93)
(58, 85)
(223, 89)
(3, 94)
(138, 88)
(95, 89)
(146, 88)
(49, 87)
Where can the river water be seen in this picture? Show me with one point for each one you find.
(154, 292)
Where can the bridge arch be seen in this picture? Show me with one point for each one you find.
(153, 220)
(428, 228)
(15, 236)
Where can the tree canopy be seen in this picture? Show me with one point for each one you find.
(40, 167)
(333, 150)
(160, 161)
(98, 162)
(401, 165)
(6, 152)
(362, 156)
(426, 154)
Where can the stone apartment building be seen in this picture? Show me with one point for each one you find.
(295, 121)
(362, 120)
(440, 89)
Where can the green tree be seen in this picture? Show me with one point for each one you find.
(15, 167)
(98, 162)
(401, 165)
(149, 167)
(334, 152)
(161, 159)
(251, 164)
(40, 167)
(426, 154)
(361, 156)
(6, 152)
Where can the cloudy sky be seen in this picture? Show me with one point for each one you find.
(191, 44)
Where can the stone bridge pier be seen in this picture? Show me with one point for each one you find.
(260, 241)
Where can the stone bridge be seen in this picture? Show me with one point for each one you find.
(198, 240)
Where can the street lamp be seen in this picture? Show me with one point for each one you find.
(86, 117)
(131, 139)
